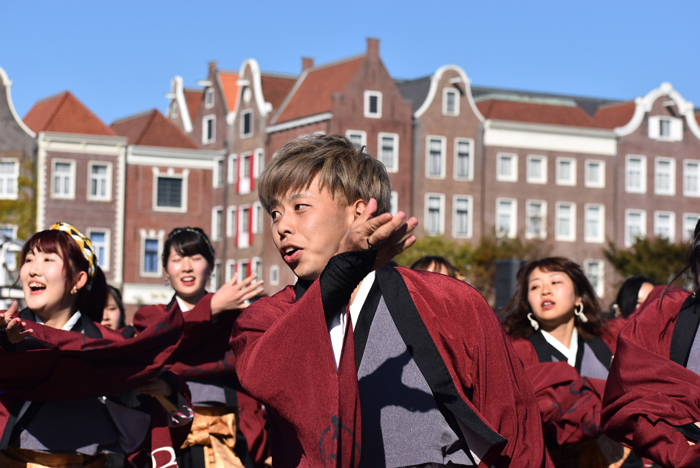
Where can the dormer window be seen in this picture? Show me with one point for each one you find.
(450, 101)
(209, 98)
(373, 104)
(665, 128)
(247, 123)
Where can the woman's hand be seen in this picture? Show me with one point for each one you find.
(233, 294)
(391, 234)
(156, 387)
(16, 328)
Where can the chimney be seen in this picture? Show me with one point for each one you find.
(306, 63)
(212, 68)
(372, 47)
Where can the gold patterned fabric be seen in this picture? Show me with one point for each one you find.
(83, 242)
(215, 429)
(19, 458)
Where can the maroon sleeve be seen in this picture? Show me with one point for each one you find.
(569, 404)
(252, 419)
(647, 393)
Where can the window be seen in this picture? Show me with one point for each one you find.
(257, 218)
(373, 104)
(150, 256)
(256, 267)
(274, 275)
(434, 214)
(464, 161)
(537, 169)
(173, 110)
(208, 129)
(9, 179)
(594, 223)
(594, 176)
(389, 151)
(230, 270)
(450, 101)
(595, 272)
(357, 137)
(507, 167)
(231, 221)
(247, 123)
(691, 178)
(100, 242)
(100, 187)
(209, 98)
(217, 214)
(462, 216)
(10, 230)
(565, 215)
(635, 226)
(394, 202)
(169, 193)
(244, 239)
(218, 175)
(566, 171)
(665, 225)
(259, 165)
(63, 179)
(215, 280)
(665, 128)
(506, 210)
(664, 176)
(243, 269)
(232, 168)
(690, 220)
(636, 174)
(435, 160)
(536, 219)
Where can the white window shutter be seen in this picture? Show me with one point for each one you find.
(654, 127)
(677, 129)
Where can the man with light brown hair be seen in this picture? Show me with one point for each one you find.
(363, 363)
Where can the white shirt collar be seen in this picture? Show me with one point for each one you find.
(571, 352)
(69, 324)
(183, 307)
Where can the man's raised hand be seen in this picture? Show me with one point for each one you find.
(233, 294)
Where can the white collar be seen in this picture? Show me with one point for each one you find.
(571, 352)
(183, 307)
(69, 324)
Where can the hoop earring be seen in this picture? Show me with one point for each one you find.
(578, 311)
(74, 290)
(534, 323)
(166, 281)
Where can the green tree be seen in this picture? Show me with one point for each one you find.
(22, 211)
(436, 246)
(655, 258)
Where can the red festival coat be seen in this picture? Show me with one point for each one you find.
(285, 360)
(570, 404)
(203, 353)
(651, 399)
(67, 365)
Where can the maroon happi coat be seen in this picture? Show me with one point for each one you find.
(204, 353)
(651, 400)
(285, 360)
(60, 365)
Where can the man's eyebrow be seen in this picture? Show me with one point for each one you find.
(298, 195)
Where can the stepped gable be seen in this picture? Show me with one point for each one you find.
(313, 91)
(151, 128)
(276, 88)
(616, 115)
(534, 113)
(193, 99)
(229, 86)
(64, 113)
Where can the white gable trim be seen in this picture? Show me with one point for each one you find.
(178, 93)
(434, 82)
(299, 122)
(644, 105)
(256, 85)
(8, 84)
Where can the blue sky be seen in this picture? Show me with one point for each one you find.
(119, 57)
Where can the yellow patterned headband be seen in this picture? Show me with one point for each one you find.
(83, 242)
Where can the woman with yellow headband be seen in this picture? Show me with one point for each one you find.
(65, 290)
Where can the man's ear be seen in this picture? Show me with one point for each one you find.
(358, 208)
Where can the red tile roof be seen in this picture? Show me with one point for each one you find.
(276, 88)
(697, 117)
(229, 83)
(193, 99)
(152, 129)
(535, 113)
(616, 115)
(313, 96)
(64, 113)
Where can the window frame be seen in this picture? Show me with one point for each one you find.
(14, 179)
(586, 164)
(457, 94)
(441, 213)
(274, 275)
(470, 216)
(71, 192)
(672, 224)
(642, 175)
(241, 220)
(159, 266)
(557, 216)
(600, 288)
(443, 157)
(513, 230)
(367, 95)
(543, 233)
(231, 221)
(600, 238)
(206, 140)
(686, 192)
(455, 165)
(531, 179)
(108, 182)
(689, 237)
(394, 202)
(232, 169)
(671, 176)
(243, 134)
(643, 227)
(170, 174)
(514, 161)
(557, 178)
(361, 133)
(217, 231)
(107, 233)
(209, 98)
(229, 269)
(394, 136)
(217, 173)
